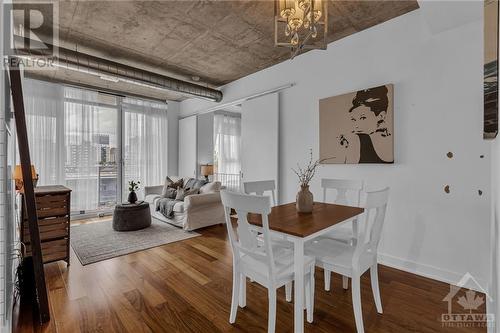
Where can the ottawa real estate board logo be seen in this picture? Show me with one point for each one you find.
(467, 305)
(30, 34)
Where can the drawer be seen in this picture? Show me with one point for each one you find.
(52, 250)
(50, 228)
(52, 205)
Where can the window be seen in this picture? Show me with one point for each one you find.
(227, 144)
(145, 129)
(94, 143)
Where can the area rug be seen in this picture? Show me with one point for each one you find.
(98, 241)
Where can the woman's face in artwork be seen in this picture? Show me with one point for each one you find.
(364, 120)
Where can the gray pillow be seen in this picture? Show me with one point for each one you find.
(180, 194)
(167, 184)
(170, 193)
(199, 183)
(190, 183)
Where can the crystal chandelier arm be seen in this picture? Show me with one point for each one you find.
(301, 46)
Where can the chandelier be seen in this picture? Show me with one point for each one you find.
(300, 24)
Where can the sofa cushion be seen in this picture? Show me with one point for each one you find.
(151, 198)
(210, 187)
(184, 192)
(179, 207)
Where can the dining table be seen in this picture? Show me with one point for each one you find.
(299, 228)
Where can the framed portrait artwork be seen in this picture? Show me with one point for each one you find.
(358, 127)
(490, 69)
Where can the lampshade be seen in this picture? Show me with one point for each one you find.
(207, 170)
(17, 175)
(18, 172)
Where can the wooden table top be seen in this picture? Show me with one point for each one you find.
(286, 219)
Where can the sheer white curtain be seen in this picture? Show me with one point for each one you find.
(66, 127)
(145, 138)
(227, 145)
(89, 128)
(75, 141)
(44, 107)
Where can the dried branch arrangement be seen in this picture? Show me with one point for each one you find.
(306, 174)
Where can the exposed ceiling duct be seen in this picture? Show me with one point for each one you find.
(115, 72)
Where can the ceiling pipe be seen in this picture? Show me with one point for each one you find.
(115, 72)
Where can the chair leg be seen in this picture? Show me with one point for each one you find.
(310, 298)
(288, 291)
(328, 276)
(375, 287)
(307, 296)
(356, 302)
(243, 291)
(236, 295)
(272, 310)
(345, 282)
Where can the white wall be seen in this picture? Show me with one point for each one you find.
(205, 139)
(438, 108)
(188, 164)
(173, 138)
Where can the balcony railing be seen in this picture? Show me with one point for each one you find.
(232, 181)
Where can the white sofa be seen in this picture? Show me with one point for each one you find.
(196, 211)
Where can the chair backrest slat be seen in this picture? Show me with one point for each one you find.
(242, 238)
(260, 187)
(342, 187)
(375, 205)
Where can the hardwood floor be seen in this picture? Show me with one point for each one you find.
(186, 287)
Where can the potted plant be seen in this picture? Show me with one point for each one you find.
(132, 187)
(305, 200)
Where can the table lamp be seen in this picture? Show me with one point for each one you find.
(17, 175)
(207, 170)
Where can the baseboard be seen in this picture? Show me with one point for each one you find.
(430, 272)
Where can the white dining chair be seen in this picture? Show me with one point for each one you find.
(353, 260)
(271, 267)
(260, 187)
(347, 233)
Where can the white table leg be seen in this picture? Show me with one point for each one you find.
(299, 285)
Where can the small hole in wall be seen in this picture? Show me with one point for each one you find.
(449, 154)
(481, 156)
(480, 192)
(447, 188)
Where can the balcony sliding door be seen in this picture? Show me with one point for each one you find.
(91, 142)
(94, 143)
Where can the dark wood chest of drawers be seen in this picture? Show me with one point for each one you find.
(53, 205)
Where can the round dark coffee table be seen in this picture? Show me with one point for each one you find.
(129, 217)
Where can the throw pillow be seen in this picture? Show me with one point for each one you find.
(168, 181)
(189, 184)
(199, 183)
(177, 184)
(181, 193)
(170, 193)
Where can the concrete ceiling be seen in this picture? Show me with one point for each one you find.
(218, 41)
